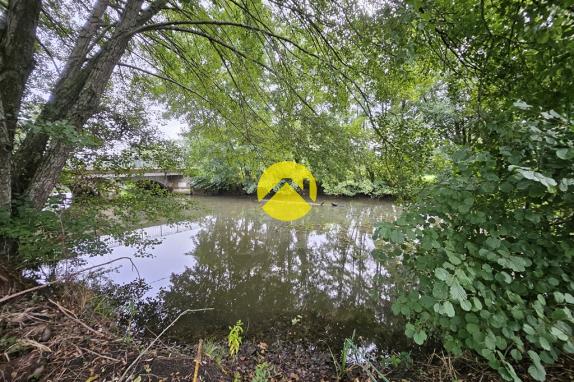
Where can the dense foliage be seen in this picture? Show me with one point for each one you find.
(488, 249)
(491, 245)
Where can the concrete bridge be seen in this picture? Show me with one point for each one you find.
(172, 180)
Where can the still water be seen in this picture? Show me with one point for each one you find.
(314, 278)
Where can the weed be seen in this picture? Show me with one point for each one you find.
(103, 307)
(402, 360)
(263, 372)
(341, 363)
(235, 338)
(213, 350)
(350, 348)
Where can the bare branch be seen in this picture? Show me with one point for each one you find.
(50, 55)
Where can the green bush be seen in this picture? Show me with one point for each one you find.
(88, 226)
(357, 187)
(491, 246)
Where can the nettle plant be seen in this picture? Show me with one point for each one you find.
(491, 246)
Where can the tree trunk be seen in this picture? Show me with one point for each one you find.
(37, 165)
(75, 99)
(48, 173)
(5, 164)
(17, 40)
(66, 89)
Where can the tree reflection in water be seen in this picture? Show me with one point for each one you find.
(266, 272)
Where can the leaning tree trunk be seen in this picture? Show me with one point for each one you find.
(75, 99)
(34, 169)
(48, 170)
(66, 89)
(5, 165)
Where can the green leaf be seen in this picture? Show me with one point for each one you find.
(544, 344)
(490, 341)
(493, 243)
(457, 292)
(538, 308)
(441, 274)
(534, 356)
(505, 277)
(448, 309)
(409, 329)
(472, 328)
(397, 236)
(565, 154)
(537, 372)
(440, 290)
(558, 333)
(533, 175)
(466, 305)
(453, 258)
(420, 337)
(528, 329)
(477, 303)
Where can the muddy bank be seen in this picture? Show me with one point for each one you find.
(66, 333)
(63, 333)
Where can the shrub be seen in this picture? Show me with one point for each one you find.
(88, 226)
(492, 249)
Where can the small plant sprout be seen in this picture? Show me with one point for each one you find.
(235, 338)
(263, 372)
(297, 319)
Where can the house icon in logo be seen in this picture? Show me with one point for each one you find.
(286, 190)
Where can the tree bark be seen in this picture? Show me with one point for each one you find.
(48, 173)
(17, 40)
(5, 165)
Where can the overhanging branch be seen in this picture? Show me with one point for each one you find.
(240, 54)
(170, 24)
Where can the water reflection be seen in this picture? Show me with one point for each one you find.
(247, 266)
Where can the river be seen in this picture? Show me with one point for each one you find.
(313, 278)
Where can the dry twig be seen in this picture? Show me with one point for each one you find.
(14, 295)
(63, 310)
